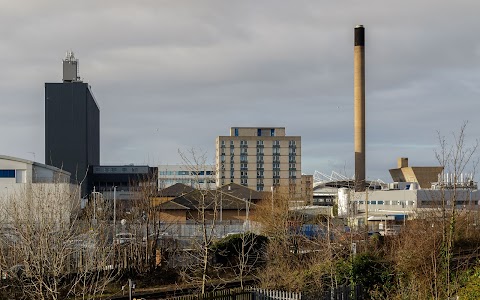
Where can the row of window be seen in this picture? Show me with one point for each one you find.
(261, 166)
(275, 151)
(260, 174)
(244, 143)
(244, 157)
(190, 182)
(185, 173)
(393, 202)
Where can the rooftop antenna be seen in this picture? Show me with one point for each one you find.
(70, 68)
(33, 153)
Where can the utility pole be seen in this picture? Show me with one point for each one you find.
(366, 208)
(95, 195)
(114, 213)
(131, 287)
(272, 196)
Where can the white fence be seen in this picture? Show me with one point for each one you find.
(261, 294)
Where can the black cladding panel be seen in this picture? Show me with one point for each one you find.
(72, 128)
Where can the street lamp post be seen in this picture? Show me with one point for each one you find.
(271, 188)
(221, 206)
(94, 194)
(114, 212)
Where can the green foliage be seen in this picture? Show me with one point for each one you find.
(371, 272)
(232, 243)
(230, 247)
(367, 270)
(471, 288)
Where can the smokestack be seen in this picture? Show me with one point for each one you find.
(359, 106)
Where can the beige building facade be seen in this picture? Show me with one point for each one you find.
(260, 158)
(424, 176)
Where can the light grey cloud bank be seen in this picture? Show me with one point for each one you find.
(172, 75)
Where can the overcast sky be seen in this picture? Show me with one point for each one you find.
(174, 75)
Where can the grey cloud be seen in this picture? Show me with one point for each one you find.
(193, 69)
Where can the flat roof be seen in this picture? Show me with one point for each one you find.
(31, 162)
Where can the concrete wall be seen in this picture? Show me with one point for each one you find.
(172, 216)
(39, 202)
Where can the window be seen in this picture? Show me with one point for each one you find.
(276, 143)
(243, 158)
(292, 174)
(222, 159)
(259, 174)
(259, 143)
(276, 181)
(223, 143)
(259, 188)
(259, 150)
(232, 151)
(276, 158)
(243, 143)
(243, 166)
(232, 174)
(291, 150)
(272, 132)
(259, 132)
(7, 173)
(292, 166)
(276, 174)
(260, 158)
(244, 151)
(243, 181)
(195, 173)
(276, 166)
(243, 174)
(232, 144)
(291, 143)
(276, 151)
(260, 166)
(236, 131)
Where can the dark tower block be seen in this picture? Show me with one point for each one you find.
(359, 107)
(72, 124)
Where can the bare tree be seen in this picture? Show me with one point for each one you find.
(206, 204)
(455, 159)
(45, 254)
